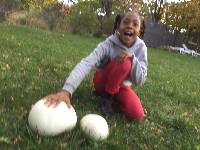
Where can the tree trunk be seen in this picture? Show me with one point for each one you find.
(101, 20)
(176, 34)
(188, 36)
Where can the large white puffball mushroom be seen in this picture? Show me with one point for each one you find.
(94, 126)
(51, 121)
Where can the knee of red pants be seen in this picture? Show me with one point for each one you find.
(130, 104)
(110, 77)
(122, 67)
(126, 65)
(137, 114)
(117, 75)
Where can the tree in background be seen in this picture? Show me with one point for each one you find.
(48, 13)
(82, 18)
(184, 18)
(104, 11)
(156, 9)
(193, 27)
(96, 17)
(108, 9)
(101, 14)
(137, 5)
(37, 4)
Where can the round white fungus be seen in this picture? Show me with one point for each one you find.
(95, 126)
(50, 121)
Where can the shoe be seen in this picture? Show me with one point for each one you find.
(96, 93)
(106, 104)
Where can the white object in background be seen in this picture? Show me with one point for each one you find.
(95, 126)
(50, 121)
(189, 51)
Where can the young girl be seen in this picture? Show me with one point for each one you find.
(120, 59)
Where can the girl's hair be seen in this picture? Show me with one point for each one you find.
(119, 18)
(117, 22)
(142, 27)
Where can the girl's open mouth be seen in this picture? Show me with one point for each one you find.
(128, 33)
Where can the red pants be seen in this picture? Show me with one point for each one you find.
(110, 78)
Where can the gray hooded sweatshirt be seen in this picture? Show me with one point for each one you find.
(105, 52)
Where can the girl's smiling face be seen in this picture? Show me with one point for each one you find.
(129, 28)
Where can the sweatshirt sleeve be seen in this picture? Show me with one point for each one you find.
(138, 71)
(85, 66)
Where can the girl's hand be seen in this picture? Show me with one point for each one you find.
(55, 99)
(123, 56)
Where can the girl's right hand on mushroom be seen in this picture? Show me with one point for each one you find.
(55, 99)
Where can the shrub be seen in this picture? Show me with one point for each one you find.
(83, 19)
(34, 19)
(7, 6)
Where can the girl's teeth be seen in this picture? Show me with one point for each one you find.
(128, 33)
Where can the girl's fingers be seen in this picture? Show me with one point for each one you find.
(55, 99)
(56, 103)
(50, 100)
(124, 57)
(47, 99)
(127, 56)
(119, 58)
(68, 104)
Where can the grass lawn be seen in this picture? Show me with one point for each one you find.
(34, 63)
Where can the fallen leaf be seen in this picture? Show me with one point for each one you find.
(2, 109)
(184, 114)
(128, 125)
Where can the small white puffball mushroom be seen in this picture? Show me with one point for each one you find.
(127, 83)
(94, 126)
(51, 121)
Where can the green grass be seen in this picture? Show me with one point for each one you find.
(34, 63)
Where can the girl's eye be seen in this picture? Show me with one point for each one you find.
(135, 24)
(126, 22)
